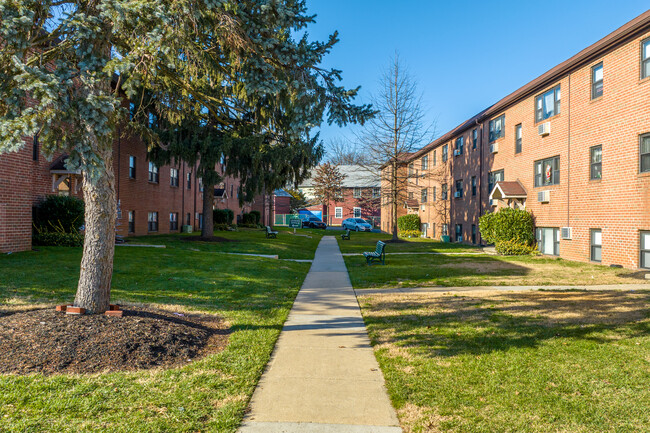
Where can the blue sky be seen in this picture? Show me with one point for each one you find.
(465, 55)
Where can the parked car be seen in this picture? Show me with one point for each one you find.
(313, 223)
(356, 224)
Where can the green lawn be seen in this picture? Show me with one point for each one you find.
(254, 296)
(476, 270)
(515, 362)
(364, 241)
(249, 241)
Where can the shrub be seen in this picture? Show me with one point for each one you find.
(224, 227)
(58, 239)
(223, 216)
(248, 219)
(409, 233)
(59, 213)
(408, 222)
(249, 226)
(257, 214)
(515, 248)
(511, 230)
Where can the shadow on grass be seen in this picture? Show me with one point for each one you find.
(457, 325)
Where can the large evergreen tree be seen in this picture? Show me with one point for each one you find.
(67, 65)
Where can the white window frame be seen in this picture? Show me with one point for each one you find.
(355, 210)
(644, 249)
(338, 212)
(596, 244)
(356, 192)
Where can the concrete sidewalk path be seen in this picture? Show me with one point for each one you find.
(323, 376)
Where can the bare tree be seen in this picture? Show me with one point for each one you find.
(328, 181)
(341, 151)
(397, 130)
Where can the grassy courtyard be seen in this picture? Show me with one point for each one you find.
(515, 362)
(364, 241)
(449, 268)
(253, 295)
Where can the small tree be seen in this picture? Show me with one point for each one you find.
(328, 181)
(297, 200)
(397, 130)
(511, 230)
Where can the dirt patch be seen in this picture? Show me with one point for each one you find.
(421, 419)
(207, 239)
(50, 342)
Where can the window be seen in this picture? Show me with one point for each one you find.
(596, 163)
(473, 185)
(435, 157)
(152, 219)
(645, 250)
(547, 171)
(434, 194)
(200, 180)
(445, 153)
(474, 138)
(493, 178)
(131, 167)
(548, 241)
(376, 192)
(188, 219)
(35, 145)
(411, 169)
(597, 81)
(411, 196)
(547, 104)
(199, 216)
(518, 135)
(444, 191)
(473, 233)
(153, 173)
(173, 176)
(596, 244)
(445, 229)
(497, 128)
(131, 221)
(424, 194)
(357, 192)
(425, 162)
(173, 221)
(645, 153)
(645, 58)
(189, 180)
(357, 212)
(338, 212)
(459, 145)
(459, 189)
(459, 233)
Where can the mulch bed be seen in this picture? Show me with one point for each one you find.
(49, 342)
(208, 239)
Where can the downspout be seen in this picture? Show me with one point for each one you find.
(568, 175)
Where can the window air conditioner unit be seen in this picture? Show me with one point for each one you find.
(544, 129)
(423, 207)
(458, 194)
(566, 233)
(543, 196)
(457, 152)
(493, 202)
(494, 147)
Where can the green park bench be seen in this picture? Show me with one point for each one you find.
(270, 233)
(377, 255)
(345, 235)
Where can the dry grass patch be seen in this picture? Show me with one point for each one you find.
(535, 361)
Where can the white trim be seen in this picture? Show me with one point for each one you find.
(354, 212)
(338, 212)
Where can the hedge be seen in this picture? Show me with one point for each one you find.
(511, 230)
(223, 216)
(59, 213)
(257, 214)
(409, 222)
(248, 219)
(58, 239)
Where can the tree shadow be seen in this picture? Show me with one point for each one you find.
(471, 324)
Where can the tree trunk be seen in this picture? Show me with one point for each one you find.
(94, 289)
(208, 215)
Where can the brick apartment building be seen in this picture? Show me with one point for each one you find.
(572, 147)
(151, 200)
(360, 196)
